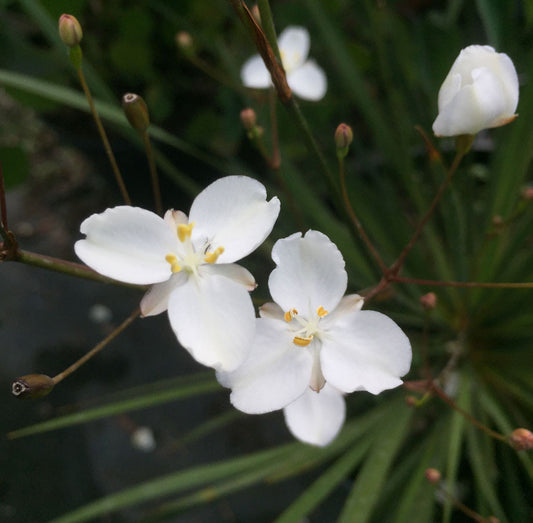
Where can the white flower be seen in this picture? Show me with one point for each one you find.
(190, 262)
(480, 91)
(304, 77)
(313, 344)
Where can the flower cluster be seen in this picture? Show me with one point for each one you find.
(306, 350)
(312, 344)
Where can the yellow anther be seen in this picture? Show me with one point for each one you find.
(212, 257)
(302, 342)
(174, 265)
(184, 231)
(289, 315)
(321, 312)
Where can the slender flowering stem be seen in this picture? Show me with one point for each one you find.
(97, 348)
(3, 206)
(355, 220)
(65, 267)
(267, 22)
(438, 283)
(444, 397)
(103, 136)
(153, 172)
(397, 265)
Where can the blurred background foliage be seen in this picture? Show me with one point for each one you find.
(385, 61)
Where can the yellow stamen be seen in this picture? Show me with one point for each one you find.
(212, 257)
(321, 312)
(184, 231)
(289, 315)
(302, 342)
(174, 265)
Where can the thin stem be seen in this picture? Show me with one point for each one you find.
(462, 507)
(103, 137)
(276, 157)
(153, 172)
(3, 206)
(438, 283)
(397, 265)
(267, 23)
(355, 220)
(213, 73)
(96, 349)
(65, 267)
(444, 397)
(296, 113)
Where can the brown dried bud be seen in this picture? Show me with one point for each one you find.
(343, 139)
(248, 119)
(429, 301)
(32, 386)
(136, 111)
(70, 30)
(432, 475)
(521, 439)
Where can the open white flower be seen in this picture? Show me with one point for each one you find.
(314, 344)
(480, 91)
(304, 77)
(190, 262)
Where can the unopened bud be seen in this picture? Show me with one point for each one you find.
(521, 439)
(185, 42)
(70, 30)
(492, 519)
(32, 386)
(136, 111)
(343, 139)
(412, 401)
(248, 119)
(432, 475)
(429, 301)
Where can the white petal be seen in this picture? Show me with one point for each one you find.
(255, 74)
(348, 305)
(155, 300)
(214, 319)
(275, 373)
(234, 272)
(175, 218)
(233, 213)
(316, 418)
(308, 81)
(128, 244)
(309, 274)
(366, 351)
(293, 43)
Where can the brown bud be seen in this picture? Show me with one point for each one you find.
(32, 386)
(248, 119)
(70, 30)
(185, 42)
(492, 519)
(429, 301)
(432, 475)
(412, 401)
(521, 439)
(136, 111)
(343, 139)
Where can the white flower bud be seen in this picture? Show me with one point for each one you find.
(480, 91)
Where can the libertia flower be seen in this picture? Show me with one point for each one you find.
(304, 76)
(480, 91)
(190, 262)
(314, 344)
